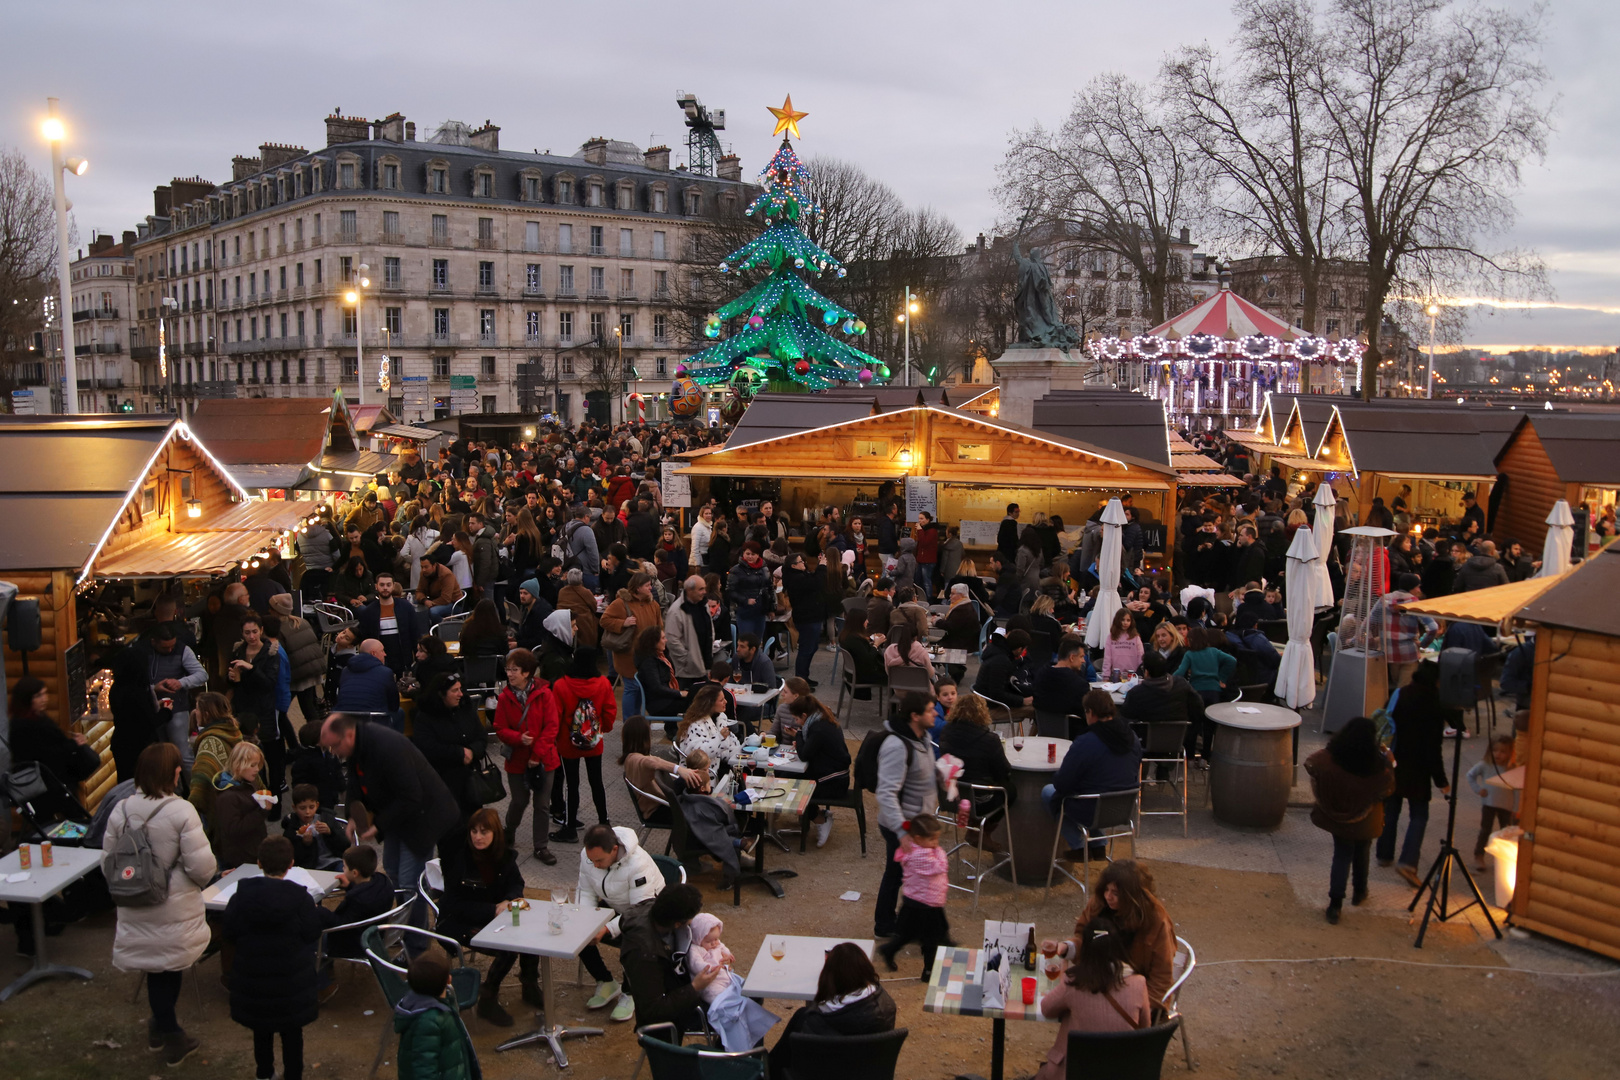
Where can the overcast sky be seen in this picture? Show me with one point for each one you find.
(922, 95)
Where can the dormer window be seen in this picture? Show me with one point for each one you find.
(565, 190)
(596, 197)
(529, 186)
(390, 175)
(627, 196)
(694, 202)
(439, 180)
(660, 200)
(484, 184)
(346, 175)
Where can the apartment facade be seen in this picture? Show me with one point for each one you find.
(103, 285)
(466, 265)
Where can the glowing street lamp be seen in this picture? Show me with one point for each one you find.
(911, 308)
(1433, 310)
(55, 133)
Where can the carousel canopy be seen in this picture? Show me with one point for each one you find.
(1226, 312)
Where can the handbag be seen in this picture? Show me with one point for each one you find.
(485, 783)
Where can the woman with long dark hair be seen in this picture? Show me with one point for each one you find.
(660, 689)
(804, 589)
(447, 731)
(699, 729)
(484, 632)
(1350, 778)
(481, 880)
(1124, 893)
(850, 1000)
(863, 655)
(354, 585)
(1097, 993)
(825, 755)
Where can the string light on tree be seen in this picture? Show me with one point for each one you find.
(781, 338)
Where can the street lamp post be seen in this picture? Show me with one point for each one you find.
(55, 132)
(166, 304)
(1433, 310)
(911, 308)
(354, 296)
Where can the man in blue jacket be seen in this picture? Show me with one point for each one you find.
(368, 685)
(1108, 757)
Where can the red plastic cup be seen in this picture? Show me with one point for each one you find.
(1029, 990)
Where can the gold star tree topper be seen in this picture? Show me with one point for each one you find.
(787, 119)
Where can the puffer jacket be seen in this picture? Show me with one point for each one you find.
(633, 880)
(647, 614)
(536, 714)
(170, 936)
(274, 925)
(749, 590)
(1348, 806)
(305, 652)
(433, 1041)
(1479, 572)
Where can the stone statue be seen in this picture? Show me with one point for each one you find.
(1039, 323)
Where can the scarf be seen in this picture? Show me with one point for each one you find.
(698, 612)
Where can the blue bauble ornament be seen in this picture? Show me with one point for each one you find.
(842, 271)
(849, 326)
(798, 264)
(829, 317)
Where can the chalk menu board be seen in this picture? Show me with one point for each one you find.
(980, 533)
(77, 676)
(920, 496)
(677, 489)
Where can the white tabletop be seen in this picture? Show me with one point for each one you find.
(1252, 716)
(800, 967)
(790, 763)
(948, 656)
(68, 864)
(746, 696)
(1033, 757)
(215, 899)
(533, 937)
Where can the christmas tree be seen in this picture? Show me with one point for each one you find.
(786, 322)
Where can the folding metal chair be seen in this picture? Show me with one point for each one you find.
(1182, 967)
(1164, 743)
(449, 628)
(1113, 816)
(980, 824)
(403, 898)
(655, 820)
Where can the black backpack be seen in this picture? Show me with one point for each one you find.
(866, 758)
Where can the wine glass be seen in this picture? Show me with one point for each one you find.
(1018, 743)
(778, 947)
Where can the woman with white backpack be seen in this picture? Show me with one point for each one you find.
(156, 859)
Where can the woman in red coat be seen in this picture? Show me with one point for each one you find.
(585, 711)
(526, 721)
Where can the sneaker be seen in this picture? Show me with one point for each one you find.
(1333, 913)
(1450, 733)
(1410, 874)
(545, 856)
(606, 993)
(154, 1038)
(625, 1009)
(823, 830)
(177, 1047)
(565, 836)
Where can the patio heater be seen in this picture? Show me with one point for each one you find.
(1358, 681)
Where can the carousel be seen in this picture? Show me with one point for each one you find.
(1222, 357)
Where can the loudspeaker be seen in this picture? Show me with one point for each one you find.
(1457, 678)
(22, 626)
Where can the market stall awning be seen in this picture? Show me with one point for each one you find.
(200, 554)
(256, 515)
(1252, 440)
(333, 482)
(1195, 462)
(407, 431)
(1195, 479)
(363, 463)
(1488, 606)
(1305, 464)
(270, 477)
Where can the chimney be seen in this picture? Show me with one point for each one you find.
(189, 188)
(1186, 235)
(102, 242)
(391, 128)
(657, 158)
(981, 242)
(346, 129)
(272, 155)
(161, 200)
(410, 131)
(129, 240)
(243, 167)
(594, 151)
(729, 167)
(487, 138)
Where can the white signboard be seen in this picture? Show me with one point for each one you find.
(920, 495)
(980, 533)
(22, 402)
(415, 390)
(677, 489)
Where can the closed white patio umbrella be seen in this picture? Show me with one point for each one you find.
(1560, 538)
(1296, 676)
(1322, 585)
(1108, 563)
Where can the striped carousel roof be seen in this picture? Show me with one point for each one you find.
(1226, 312)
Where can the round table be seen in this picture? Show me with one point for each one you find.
(1251, 767)
(1030, 826)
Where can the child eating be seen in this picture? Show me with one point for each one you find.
(366, 894)
(313, 831)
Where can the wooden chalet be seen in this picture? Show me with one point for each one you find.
(977, 464)
(1129, 423)
(1574, 456)
(294, 447)
(99, 505)
(1376, 450)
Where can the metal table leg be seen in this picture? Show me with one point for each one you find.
(765, 877)
(550, 1034)
(41, 970)
(998, 1048)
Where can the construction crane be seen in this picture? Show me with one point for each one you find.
(703, 148)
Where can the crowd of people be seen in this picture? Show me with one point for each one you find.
(590, 611)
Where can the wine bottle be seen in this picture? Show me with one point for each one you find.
(1029, 951)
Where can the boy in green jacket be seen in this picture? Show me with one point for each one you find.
(433, 1042)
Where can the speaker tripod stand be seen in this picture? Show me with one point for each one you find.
(1437, 883)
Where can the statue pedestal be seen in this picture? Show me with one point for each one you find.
(1026, 375)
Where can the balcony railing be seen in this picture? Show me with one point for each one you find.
(393, 236)
(143, 352)
(439, 240)
(110, 347)
(347, 236)
(488, 243)
(95, 313)
(533, 290)
(597, 294)
(598, 249)
(263, 345)
(489, 338)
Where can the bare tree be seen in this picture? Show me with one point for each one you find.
(27, 256)
(1263, 128)
(1115, 177)
(1434, 108)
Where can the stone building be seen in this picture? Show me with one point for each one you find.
(483, 265)
(1271, 282)
(103, 284)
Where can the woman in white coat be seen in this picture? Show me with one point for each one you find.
(165, 939)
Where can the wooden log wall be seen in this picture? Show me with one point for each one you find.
(1533, 486)
(1569, 861)
(58, 630)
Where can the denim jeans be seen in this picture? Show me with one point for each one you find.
(436, 614)
(751, 624)
(1349, 862)
(809, 642)
(404, 869)
(1080, 815)
(590, 580)
(178, 732)
(925, 578)
(1412, 847)
(633, 703)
